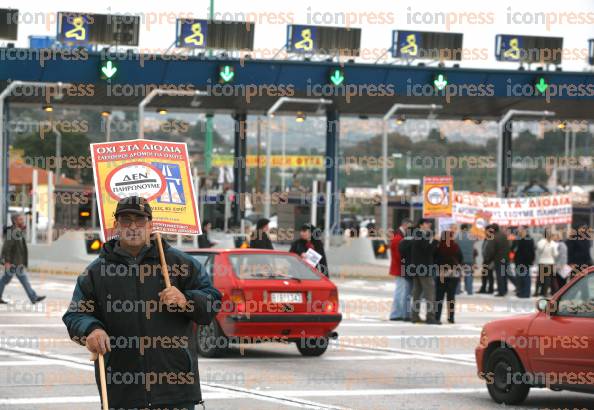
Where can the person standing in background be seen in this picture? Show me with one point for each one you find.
(401, 304)
(562, 270)
(466, 243)
(497, 256)
(579, 244)
(204, 240)
(547, 252)
(260, 238)
(309, 238)
(448, 258)
(423, 271)
(487, 277)
(523, 247)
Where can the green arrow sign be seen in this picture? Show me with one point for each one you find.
(440, 82)
(108, 70)
(226, 73)
(541, 85)
(337, 77)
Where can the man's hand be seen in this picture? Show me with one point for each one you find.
(7, 265)
(98, 343)
(173, 296)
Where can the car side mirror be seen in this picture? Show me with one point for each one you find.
(546, 305)
(542, 305)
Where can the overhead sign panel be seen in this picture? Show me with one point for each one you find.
(9, 20)
(192, 33)
(323, 40)
(85, 28)
(528, 49)
(426, 45)
(215, 34)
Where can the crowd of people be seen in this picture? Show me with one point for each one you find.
(434, 268)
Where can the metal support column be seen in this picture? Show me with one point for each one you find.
(239, 166)
(5, 165)
(506, 158)
(332, 170)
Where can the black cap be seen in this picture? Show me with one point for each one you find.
(134, 205)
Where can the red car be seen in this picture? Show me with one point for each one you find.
(268, 296)
(553, 347)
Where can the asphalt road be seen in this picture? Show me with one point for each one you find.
(375, 364)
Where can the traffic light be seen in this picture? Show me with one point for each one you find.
(107, 69)
(337, 77)
(440, 81)
(226, 74)
(541, 85)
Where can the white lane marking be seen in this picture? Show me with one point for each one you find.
(95, 399)
(66, 360)
(416, 354)
(323, 358)
(19, 363)
(378, 392)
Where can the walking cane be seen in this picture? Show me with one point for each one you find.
(102, 381)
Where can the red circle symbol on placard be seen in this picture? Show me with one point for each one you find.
(435, 195)
(135, 178)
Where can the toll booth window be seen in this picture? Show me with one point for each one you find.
(267, 266)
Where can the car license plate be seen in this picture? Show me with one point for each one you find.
(286, 298)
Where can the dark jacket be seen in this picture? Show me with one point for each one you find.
(14, 249)
(260, 240)
(496, 249)
(204, 242)
(112, 295)
(578, 252)
(422, 251)
(405, 249)
(524, 250)
(299, 246)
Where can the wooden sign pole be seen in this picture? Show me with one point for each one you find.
(163, 261)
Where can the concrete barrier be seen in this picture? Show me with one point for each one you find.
(67, 254)
(355, 257)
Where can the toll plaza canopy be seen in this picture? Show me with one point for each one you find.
(372, 88)
(250, 86)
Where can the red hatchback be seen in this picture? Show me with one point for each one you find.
(553, 347)
(268, 296)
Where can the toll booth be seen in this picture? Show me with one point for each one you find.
(296, 211)
(398, 208)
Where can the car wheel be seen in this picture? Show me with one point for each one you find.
(507, 384)
(211, 340)
(313, 346)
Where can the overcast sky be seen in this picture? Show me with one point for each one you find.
(479, 21)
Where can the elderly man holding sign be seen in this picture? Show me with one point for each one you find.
(135, 306)
(122, 308)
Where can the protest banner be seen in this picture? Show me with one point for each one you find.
(158, 171)
(437, 196)
(529, 211)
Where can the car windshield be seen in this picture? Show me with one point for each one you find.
(267, 266)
